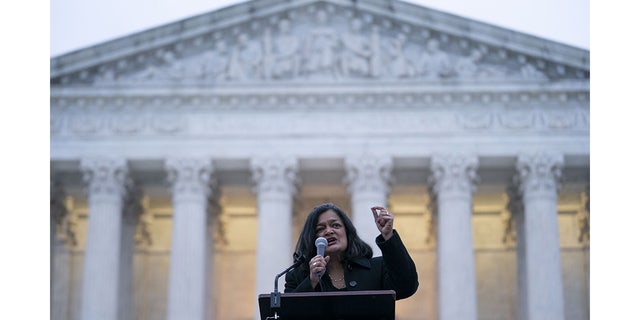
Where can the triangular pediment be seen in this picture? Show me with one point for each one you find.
(304, 41)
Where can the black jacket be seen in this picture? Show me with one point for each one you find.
(395, 270)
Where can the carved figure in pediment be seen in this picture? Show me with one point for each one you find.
(106, 76)
(529, 71)
(246, 59)
(319, 50)
(435, 63)
(376, 54)
(215, 62)
(169, 69)
(281, 56)
(400, 66)
(467, 67)
(357, 52)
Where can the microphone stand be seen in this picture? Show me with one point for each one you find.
(275, 295)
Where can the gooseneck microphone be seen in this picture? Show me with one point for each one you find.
(275, 295)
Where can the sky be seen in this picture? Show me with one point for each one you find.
(76, 24)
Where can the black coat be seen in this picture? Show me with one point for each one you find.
(395, 270)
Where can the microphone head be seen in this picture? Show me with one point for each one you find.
(321, 244)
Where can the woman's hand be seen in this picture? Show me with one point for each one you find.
(317, 267)
(384, 221)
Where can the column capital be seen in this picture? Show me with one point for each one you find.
(368, 173)
(275, 175)
(190, 176)
(538, 173)
(106, 176)
(453, 173)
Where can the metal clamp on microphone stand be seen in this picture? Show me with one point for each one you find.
(275, 295)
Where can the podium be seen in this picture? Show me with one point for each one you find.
(335, 305)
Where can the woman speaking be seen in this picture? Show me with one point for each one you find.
(347, 264)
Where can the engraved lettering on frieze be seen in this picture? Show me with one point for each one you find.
(321, 42)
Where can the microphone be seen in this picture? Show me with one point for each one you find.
(321, 244)
(275, 295)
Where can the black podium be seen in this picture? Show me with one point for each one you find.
(340, 305)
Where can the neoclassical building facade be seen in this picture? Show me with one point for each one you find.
(185, 158)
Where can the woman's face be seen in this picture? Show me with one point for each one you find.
(332, 228)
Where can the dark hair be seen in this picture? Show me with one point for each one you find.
(306, 241)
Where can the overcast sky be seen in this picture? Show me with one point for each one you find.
(76, 24)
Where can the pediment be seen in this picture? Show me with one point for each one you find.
(303, 41)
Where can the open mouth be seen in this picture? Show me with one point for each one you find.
(331, 241)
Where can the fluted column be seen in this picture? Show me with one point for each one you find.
(368, 179)
(453, 183)
(107, 180)
(188, 287)
(275, 185)
(540, 270)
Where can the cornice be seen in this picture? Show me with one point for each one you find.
(350, 97)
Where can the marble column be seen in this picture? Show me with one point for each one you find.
(107, 187)
(368, 178)
(275, 186)
(189, 292)
(453, 183)
(540, 270)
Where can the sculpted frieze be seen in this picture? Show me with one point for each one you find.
(321, 42)
(560, 119)
(517, 119)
